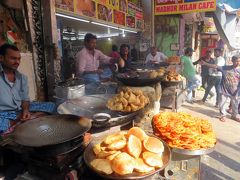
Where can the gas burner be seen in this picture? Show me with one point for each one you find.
(55, 167)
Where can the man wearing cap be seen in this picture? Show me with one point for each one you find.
(189, 72)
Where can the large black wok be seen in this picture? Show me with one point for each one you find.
(137, 79)
(51, 130)
(93, 105)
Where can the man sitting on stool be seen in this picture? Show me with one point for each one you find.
(14, 99)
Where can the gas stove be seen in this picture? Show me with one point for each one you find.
(56, 167)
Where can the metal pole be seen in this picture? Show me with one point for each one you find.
(153, 24)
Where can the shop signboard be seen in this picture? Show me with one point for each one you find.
(163, 7)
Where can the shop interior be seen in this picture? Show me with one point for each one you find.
(72, 31)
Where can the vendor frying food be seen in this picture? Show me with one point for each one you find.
(14, 103)
(155, 57)
(14, 99)
(88, 60)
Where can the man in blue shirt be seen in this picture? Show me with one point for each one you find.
(14, 85)
(14, 98)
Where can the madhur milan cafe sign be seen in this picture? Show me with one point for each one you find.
(163, 7)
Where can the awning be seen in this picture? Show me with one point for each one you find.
(228, 25)
(235, 4)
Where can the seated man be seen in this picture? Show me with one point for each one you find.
(14, 98)
(155, 57)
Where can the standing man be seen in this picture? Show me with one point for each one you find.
(229, 88)
(155, 57)
(215, 76)
(189, 72)
(205, 69)
(88, 60)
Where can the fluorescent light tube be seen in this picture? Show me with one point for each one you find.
(71, 17)
(128, 30)
(105, 25)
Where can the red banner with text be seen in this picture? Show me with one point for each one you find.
(163, 7)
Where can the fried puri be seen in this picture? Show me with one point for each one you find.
(123, 164)
(134, 146)
(142, 167)
(102, 165)
(154, 145)
(152, 159)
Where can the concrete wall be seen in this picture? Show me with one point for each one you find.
(26, 67)
(167, 34)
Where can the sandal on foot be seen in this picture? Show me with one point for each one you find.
(223, 118)
(236, 119)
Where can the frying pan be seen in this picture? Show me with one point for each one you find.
(141, 80)
(94, 107)
(50, 130)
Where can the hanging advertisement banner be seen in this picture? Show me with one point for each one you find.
(163, 7)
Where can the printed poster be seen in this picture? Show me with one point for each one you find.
(123, 5)
(86, 8)
(139, 24)
(119, 17)
(67, 5)
(131, 9)
(104, 13)
(130, 21)
(113, 4)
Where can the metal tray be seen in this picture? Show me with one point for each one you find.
(190, 152)
(90, 105)
(89, 156)
(193, 152)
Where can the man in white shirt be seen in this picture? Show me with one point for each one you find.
(215, 76)
(155, 57)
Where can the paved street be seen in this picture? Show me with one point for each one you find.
(224, 161)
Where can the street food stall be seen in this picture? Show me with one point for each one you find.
(124, 128)
(115, 129)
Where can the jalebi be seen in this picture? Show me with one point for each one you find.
(181, 130)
